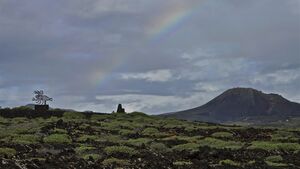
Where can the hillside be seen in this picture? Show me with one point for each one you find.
(136, 140)
(242, 104)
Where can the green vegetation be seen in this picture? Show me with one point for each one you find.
(26, 139)
(267, 145)
(150, 131)
(136, 139)
(182, 163)
(222, 135)
(138, 142)
(159, 147)
(284, 136)
(186, 147)
(84, 148)
(7, 151)
(58, 138)
(220, 144)
(275, 161)
(115, 150)
(229, 162)
(115, 162)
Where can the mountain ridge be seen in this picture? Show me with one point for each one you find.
(239, 104)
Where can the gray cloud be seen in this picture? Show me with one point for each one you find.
(94, 54)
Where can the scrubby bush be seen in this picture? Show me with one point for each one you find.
(220, 144)
(183, 163)
(277, 158)
(83, 148)
(229, 162)
(150, 131)
(194, 139)
(58, 138)
(25, 139)
(159, 147)
(222, 135)
(125, 132)
(85, 138)
(268, 145)
(59, 131)
(186, 147)
(116, 139)
(138, 142)
(116, 150)
(275, 161)
(8, 151)
(284, 136)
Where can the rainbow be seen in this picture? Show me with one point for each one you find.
(170, 20)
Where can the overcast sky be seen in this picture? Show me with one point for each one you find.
(150, 55)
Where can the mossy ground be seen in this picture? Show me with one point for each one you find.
(136, 140)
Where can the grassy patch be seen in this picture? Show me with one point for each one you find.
(275, 161)
(116, 150)
(58, 138)
(83, 148)
(268, 145)
(159, 147)
(194, 139)
(186, 147)
(138, 142)
(182, 163)
(25, 139)
(8, 152)
(220, 144)
(284, 136)
(222, 135)
(59, 131)
(150, 131)
(229, 162)
(126, 132)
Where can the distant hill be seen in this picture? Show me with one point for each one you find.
(242, 105)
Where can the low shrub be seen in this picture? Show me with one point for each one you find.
(182, 163)
(222, 135)
(150, 131)
(58, 138)
(268, 145)
(25, 139)
(229, 162)
(220, 144)
(85, 138)
(116, 150)
(186, 147)
(83, 148)
(275, 161)
(159, 147)
(8, 152)
(125, 132)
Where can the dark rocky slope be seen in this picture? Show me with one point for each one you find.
(242, 104)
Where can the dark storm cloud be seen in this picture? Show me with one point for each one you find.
(94, 54)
